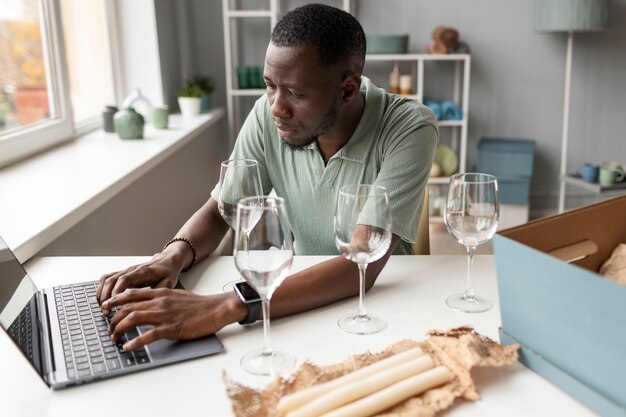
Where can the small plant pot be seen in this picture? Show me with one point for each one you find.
(206, 103)
(189, 106)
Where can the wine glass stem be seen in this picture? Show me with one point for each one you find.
(469, 291)
(362, 270)
(267, 344)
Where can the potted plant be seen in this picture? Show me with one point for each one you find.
(189, 100)
(207, 86)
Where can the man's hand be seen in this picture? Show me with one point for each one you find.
(175, 314)
(159, 272)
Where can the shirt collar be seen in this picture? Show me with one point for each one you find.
(358, 146)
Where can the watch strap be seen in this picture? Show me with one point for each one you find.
(254, 306)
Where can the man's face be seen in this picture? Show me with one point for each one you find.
(304, 97)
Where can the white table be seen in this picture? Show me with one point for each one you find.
(409, 293)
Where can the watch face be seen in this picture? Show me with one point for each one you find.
(246, 291)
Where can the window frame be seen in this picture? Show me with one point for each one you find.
(25, 141)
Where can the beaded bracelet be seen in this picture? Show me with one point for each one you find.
(193, 250)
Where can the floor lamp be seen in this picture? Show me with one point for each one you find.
(569, 16)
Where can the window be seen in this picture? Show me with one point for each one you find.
(56, 72)
(24, 88)
(88, 58)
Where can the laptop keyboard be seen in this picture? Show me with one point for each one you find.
(87, 345)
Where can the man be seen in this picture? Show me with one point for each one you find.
(321, 125)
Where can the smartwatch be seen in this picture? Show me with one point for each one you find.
(251, 299)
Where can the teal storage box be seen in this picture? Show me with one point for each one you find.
(570, 321)
(513, 190)
(387, 44)
(506, 157)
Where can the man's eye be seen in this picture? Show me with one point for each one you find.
(295, 94)
(270, 86)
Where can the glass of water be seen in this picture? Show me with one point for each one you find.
(263, 255)
(471, 216)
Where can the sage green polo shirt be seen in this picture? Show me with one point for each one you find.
(393, 146)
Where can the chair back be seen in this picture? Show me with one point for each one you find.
(422, 243)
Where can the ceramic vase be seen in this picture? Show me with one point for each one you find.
(140, 103)
(107, 118)
(129, 124)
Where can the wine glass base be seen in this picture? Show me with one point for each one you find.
(258, 362)
(355, 324)
(468, 303)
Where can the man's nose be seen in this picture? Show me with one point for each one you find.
(280, 106)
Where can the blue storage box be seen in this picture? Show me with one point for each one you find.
(513, 190)
(570, 321)
(506, 157)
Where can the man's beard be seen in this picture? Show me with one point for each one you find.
(328, 122)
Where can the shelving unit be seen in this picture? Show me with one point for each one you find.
(601, 191)
(462, 63)
(230, 17)
(461, 79)
(460, 96)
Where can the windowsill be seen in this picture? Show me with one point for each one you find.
(44, 196)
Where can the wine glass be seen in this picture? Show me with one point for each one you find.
(362, 235)
(471, 216)
(263, 254)
(239, 178)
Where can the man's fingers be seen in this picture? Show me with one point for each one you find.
(142, 340)
(101, 284)
(129, 279)
(109, 283)
(132, 315)
(131, 295)
(107, 288)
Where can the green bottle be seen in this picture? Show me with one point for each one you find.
(129, 124)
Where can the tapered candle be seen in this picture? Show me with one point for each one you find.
(393, 394)
(297, 399)
(362, 387)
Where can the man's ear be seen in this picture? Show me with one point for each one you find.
(351, 87)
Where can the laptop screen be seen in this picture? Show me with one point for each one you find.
(16, 287)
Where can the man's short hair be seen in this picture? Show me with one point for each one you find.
(336, 35)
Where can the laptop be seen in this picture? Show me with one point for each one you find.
(63, 334)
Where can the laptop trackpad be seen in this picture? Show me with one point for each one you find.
(175, 350)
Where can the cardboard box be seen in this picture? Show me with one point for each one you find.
(570, 321)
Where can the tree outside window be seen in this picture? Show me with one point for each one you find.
(23, 87)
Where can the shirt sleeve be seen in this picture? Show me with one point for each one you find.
(404, 172)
